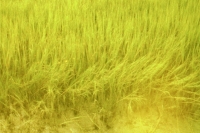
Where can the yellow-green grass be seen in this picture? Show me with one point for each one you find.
(99, 66)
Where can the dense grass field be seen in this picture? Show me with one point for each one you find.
(99, 66)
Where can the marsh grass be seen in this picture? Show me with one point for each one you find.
(107, 58)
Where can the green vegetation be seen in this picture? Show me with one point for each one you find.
(99, 65)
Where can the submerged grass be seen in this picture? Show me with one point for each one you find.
(107, 58)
